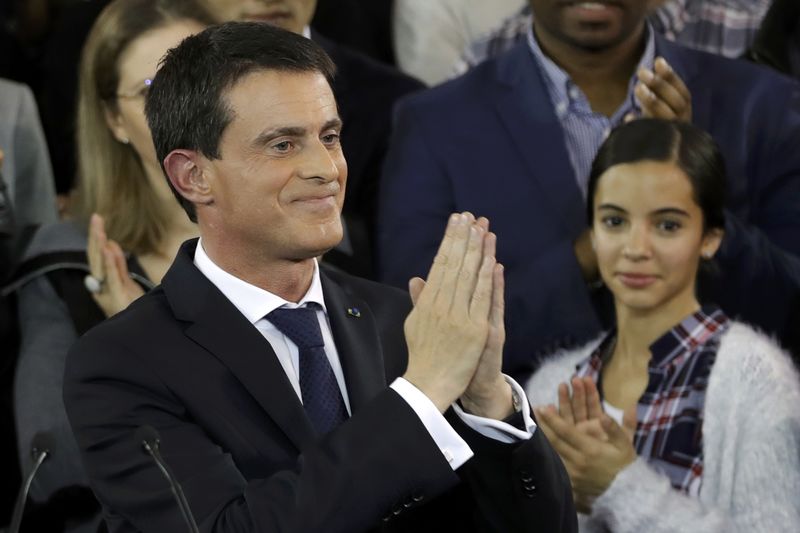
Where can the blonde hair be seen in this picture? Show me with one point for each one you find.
(111, 178)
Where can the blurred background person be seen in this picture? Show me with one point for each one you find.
(27, 200)
(125, 231)
(709, 404)
(430, 37)
(363, 25)
(777, 43)
(513, 139)
(722, 27)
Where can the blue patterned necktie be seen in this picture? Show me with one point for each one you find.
(322, 398)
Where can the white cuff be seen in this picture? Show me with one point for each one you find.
(497, 429)
(453, 447)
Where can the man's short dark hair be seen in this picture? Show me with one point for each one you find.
(186, 107)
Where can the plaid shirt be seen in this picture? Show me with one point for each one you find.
(669, 414)
(725, 27)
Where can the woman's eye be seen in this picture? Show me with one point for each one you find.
(612, 221)
(669, 225)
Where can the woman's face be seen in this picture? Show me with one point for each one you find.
(648, 235)
(137, 65)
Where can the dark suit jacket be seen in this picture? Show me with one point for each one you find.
(366, 92)
(184, 360)
(490, 142)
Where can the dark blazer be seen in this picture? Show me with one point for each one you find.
(184, 360)
(366, 92)
(490, 142)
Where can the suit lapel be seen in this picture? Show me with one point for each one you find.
(356, 335)
(217, 326)
(525, 109)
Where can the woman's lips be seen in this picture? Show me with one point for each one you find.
(635, 280)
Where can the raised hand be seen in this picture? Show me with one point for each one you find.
(582, 406)
(108, 267)
(448, 328)
(662, 93)
(488, 393)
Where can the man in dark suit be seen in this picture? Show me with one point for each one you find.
(267, 375)
(366, 92)
(514, 138)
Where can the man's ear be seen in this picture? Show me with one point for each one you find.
(187, 177)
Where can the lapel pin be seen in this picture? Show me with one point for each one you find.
(354, 312)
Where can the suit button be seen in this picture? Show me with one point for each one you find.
(417, 497)
(525, 476)
(529, 489)
(397, 509)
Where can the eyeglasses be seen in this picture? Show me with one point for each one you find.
(142, 92)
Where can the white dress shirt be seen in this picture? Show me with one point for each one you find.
(255, 303)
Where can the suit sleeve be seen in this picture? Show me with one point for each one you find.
(518, 487)
(348, 481)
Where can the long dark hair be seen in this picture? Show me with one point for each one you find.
(692, 149)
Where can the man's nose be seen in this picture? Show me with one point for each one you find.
(320, 163)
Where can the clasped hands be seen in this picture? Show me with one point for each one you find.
(455, 333)
(593, 447)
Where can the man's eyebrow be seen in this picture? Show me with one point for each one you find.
(287, 131)
(292, 131)
(335, 123)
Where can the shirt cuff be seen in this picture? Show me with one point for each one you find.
(453, 447)
(497, 429)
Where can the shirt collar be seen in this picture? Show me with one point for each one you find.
(563, 91)
(692, 332)
(253, 302)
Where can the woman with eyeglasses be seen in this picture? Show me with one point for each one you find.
(124, 232)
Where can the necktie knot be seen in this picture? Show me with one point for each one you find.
(300, 325)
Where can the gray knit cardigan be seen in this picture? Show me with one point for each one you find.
(751, 448)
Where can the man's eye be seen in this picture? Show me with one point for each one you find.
(283, 146)
(331, 138)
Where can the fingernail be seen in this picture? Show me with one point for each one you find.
(454, 218)
(645, 75)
